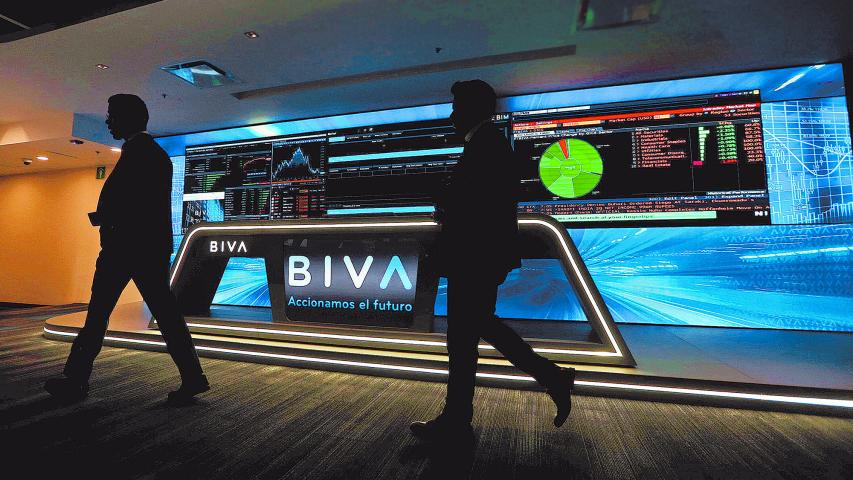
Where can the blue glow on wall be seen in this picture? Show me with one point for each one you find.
(826, 81)
(822, 82)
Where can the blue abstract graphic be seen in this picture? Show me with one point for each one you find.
(809, 164)
(244, 283)
(786, 277)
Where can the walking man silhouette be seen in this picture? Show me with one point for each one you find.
(477, 247)
(134, 215)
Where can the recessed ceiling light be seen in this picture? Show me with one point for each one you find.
(41, 157)
(76, 141)
(115, 149)
(102, 66)
(251, 34)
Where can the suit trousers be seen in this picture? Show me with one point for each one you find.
(470, 317)
(117, 264)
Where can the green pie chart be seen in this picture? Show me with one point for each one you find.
(570, 168)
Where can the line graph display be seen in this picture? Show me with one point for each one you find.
(294, 162)
(809, 164)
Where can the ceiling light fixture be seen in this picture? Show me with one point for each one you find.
(116, 149)
(251, 34)
(102, 66)
(41, 157)
(76, 141)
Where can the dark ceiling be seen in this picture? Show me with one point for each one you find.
(25, 18)
(372, 56)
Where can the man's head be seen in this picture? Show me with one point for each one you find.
(126, 115)
(473, 102)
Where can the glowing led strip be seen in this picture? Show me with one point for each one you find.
(798, 252)
(829, 402)
(397, 341)
(617, 351)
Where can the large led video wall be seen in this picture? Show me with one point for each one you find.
(715, 201)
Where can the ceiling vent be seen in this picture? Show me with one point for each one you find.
(201, 74)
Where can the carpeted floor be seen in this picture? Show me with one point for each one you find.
(262, 421)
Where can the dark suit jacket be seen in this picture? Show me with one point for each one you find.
(134, 208)
(478, 210)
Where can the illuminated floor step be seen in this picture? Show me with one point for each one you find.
(603, 381)
(401, 341)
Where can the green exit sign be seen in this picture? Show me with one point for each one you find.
(101, 172)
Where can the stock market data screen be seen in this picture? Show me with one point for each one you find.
(695, 160)
(395, 168)
(255, 180)
(380, 169)
(298, 177)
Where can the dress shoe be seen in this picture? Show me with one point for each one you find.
(560, 392)
(67, 390)
(443, 429)
(186, 393)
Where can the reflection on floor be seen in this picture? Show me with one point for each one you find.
(810, 359)
(545, 329)
(268, 421)
(782, 363)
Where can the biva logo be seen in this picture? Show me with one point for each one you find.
(228, 246)
(300, 276)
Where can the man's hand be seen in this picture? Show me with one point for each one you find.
(438, 214)
(442, 197)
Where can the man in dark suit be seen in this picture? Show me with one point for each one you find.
(478, 246)
(135, 219)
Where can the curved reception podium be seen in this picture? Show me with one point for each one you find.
(354, 291)
(368, 282)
